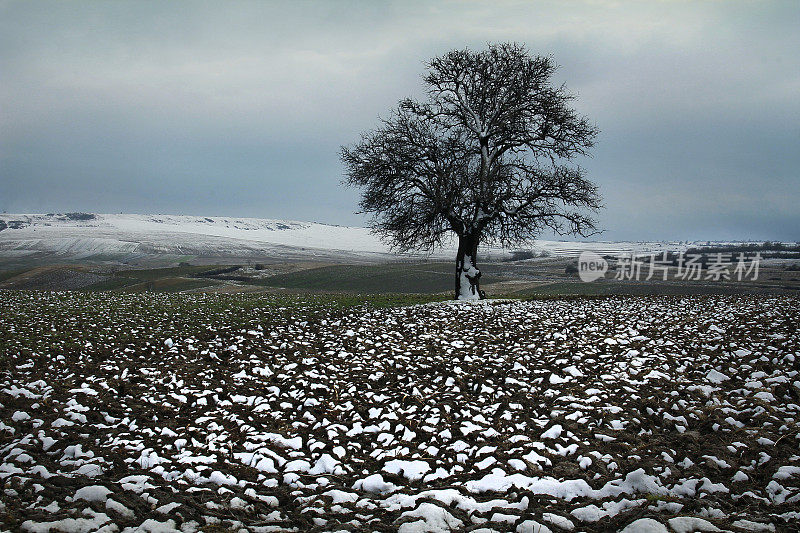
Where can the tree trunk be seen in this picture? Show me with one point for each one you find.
(467, 274)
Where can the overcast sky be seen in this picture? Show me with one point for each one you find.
(239, 108)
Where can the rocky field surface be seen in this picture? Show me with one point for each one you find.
(264, 413)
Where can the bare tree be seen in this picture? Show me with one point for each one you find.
(489, 157)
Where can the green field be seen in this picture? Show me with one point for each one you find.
(499, 280)
(392, 277)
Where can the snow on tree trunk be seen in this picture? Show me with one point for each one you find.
(467, 274)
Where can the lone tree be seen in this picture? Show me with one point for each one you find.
(489, 157)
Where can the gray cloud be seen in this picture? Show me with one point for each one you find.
(239, 108)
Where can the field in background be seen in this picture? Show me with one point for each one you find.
(523, 278)
(172, 253)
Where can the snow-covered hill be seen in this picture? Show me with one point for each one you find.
(135, 238)
(77, 236)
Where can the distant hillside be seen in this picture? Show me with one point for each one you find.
(135, 239)
(149, 240)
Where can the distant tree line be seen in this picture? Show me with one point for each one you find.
(766, 246)
(521, 255)
(80, 216)
(767, 250)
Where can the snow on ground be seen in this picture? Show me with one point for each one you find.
(130, 234)
(268, 413)
(176, 234)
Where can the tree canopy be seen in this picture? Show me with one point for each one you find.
(488, 156)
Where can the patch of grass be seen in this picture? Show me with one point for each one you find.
(631, 289)
(151, 274)
(382, 300)
(419, 278)
(172, 279)
(8, 274)
(112, 284)
(168, 284)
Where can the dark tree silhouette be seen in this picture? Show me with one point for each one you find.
(489, 157)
